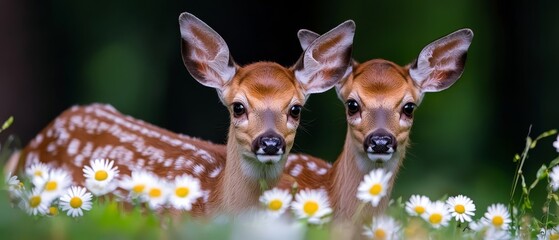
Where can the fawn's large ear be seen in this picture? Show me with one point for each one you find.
(306, 37)
(327, 59)
(204, 53)
(442, 62)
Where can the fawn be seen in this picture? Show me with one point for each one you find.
(380, 98)
(264, 100)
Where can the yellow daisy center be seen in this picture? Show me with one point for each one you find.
(138, 188)
(459, 208)
(380, 234)
(310, 207)
(497, 221)
(101, 175)
(182, 191)
(53, 211)
(76, 202)
(34, 201)
(375, 189)
(419, 210)
(51, 186)
(435, 218)
(38, 173)
(155, 192)
(554, 236)
(275, 205)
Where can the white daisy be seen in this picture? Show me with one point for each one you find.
(487, 232)
(556, 143)
(374, 186)
(14, 185)
(35, 203)
(437, 214)
(100, 175)
(276, 201)
(37, 171)
(75, 201)
(383, 227)
(496, 234)
(461, 208)
(313, 205)
(549, 234)
(53, 211)
(477, 226)
(137, 182)
(417, 205)
(554, 178)
(497, 216)
(157, 193)
(55, 183)
(186, 191)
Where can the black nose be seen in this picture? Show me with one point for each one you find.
(380, 141)
(269, 143)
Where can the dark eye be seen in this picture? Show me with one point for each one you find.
(238, 109)
(408, 109)
(352, 107)
(295, 111)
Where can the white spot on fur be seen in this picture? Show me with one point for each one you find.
(311, 166)
(199, 169)
(321, 171)
(189, 163)
(122, 154)
(205, 195)
(296, 171)
(73, 147)
(214, 173)
(51, 147)
(87, 150)
(101, 152)
(78, 160)
(168, 162)
(38, 140)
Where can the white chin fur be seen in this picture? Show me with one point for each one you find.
(379, 157)
(268, 158)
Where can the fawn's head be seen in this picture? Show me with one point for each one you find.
(381, 96)
(264, 99)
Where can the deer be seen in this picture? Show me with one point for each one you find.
(380, 99)
(264, 100)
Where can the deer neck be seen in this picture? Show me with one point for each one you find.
(243, 179)
(347, 173)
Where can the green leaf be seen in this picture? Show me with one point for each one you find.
(554, 162)
(542, 172)
(527, 204)
(7, 123)
(523, 184)
(516, 158)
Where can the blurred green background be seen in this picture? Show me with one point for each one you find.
(57, 53)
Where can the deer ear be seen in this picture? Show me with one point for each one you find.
(306, 37)
(442, 62)
(204, 53)
(326, 60)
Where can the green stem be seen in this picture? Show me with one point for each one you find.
(357, 213)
